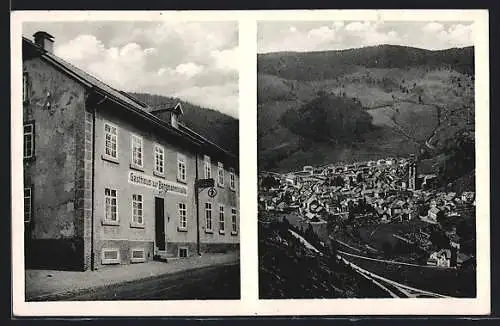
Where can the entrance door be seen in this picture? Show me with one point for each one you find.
(160, 223)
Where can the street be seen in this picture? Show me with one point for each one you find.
(212, 282)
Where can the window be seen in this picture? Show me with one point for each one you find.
(25, 86)
(232, 183)
(221, 218)
(111, 140)
(28, 147)
(234, 223)
(181, 168)
(159, 159)
(208, 167)
(208, 216)
(110, 256)
(137, 209)
(27, 204)
(136, 150)
(138, 255)
(182, 216)
(220, 174)
(111, 208)
(183, 252)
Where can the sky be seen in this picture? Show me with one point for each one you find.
(195, 61)
(303, 36)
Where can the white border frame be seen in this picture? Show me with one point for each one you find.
(249, 303)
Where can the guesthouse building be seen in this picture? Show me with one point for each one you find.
(109, 181)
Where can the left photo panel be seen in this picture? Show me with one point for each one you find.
(130, 160)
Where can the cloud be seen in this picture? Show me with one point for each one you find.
(322, 35)
(227, 59)
(432, 27)
(185, 60)
(189, 69)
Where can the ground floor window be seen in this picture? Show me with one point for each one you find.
(27, 204)
(137, 205)
(111, 207)
(182, 216)
(221, 219)
(234, 222)
(208, 216)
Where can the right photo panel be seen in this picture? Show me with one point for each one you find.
(366, 159)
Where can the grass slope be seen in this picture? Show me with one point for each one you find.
(414, 96)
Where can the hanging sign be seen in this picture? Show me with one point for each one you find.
(156, 183)
(212, 192)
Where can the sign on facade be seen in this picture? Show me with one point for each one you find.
(158, 184)
(212, 192)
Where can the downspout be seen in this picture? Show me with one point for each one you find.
(92, 233)
(196, 200)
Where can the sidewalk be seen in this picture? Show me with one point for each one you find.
(45, 283)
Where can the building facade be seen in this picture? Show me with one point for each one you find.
(106, 182)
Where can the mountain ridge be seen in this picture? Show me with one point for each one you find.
(418, 99)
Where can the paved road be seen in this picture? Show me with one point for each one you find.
(213, 282)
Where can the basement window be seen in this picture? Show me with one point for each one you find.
(110, 256)
(183, 252)
(137, 256)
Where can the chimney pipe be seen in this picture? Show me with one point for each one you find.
(44, 40)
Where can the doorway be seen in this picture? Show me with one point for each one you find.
(160, 224)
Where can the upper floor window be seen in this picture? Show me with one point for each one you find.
(29, 145)
(137, 150)
(159, 159)
(111, 140)
(110, 205)
(208, 167)
(27, 204)
(25, 87)
(232, 182)
(181, 168)
(220, 174)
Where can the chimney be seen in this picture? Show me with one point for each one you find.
(44, 40)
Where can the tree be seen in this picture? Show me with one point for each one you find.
(270, 182)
